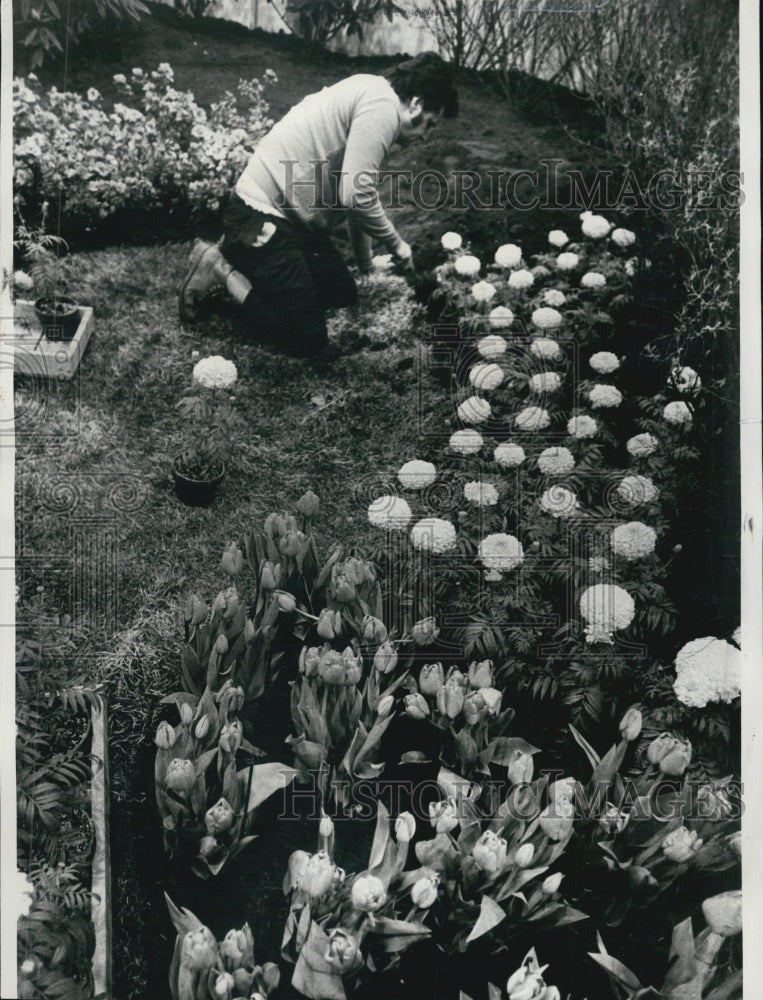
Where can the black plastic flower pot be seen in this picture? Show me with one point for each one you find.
(195, 492)
(59, 316)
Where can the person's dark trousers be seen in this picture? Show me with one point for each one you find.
(296, 276)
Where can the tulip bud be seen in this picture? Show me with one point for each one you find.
(520, 768)
(385, 658)
(196, 611)
(630, 724)
(219, 603)
(675, 762)
(373, 630)
(385, 706)
(221, 645)
(208, 846)
(308, 504)
(424, 890)
(481, 674)
(231, 736)
(551, 884)
(232, 561)
(431, 679)
(199, 950)
(405, 827)
(286, 601)
(181, 776)
(268, 576)
(450, 698)
(165, 736)
(475, 709)
(232, 605)
(415, 706)
(249, 631)
(681, 845)
(524, 855)
(368, 894)
(223, 987)
(309, 659)
(557, 818)
(298, 861)
(425, 632)
(343, 951)
(326, 827)
(219, 818)
(291, 544)
(614, 821)
(202, 727)
(353, 666)
(443, 816)
(343, 591)
(563, 788)
(723, 913)
(492, 698)
(325, 626)
(186, 714)
(639, 876)
(490, 852)
(320, 877)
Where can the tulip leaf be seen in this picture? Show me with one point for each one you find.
(398, 934)
(267, 779)
(182, 918)
(454, 785)
(490, 916)
(505, 747)
(313, 975)
(619, 972)
(381, 838)
(203, 761)
(190, 668)
(683, 949)
(588, 750)
(180, 698)
(493, 992)
(608, 766)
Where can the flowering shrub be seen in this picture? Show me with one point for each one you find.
(208, 418)
(157, 150)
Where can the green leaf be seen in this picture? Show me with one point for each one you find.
(619, 972)
(267, 779)
(490, 916)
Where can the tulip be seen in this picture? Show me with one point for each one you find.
(425, 632)
(231, 736)
(551, 884)
(557, 818)
(292, 542)
(713, 803)
(373, 630)
(385, 658)
(424, 890)
(638, 876)
(273, 525)
(415, 706)
(475, 709)
(723, 913)
(196, 611)
(492, 698)
(326, 827)
(481, 674)
(202, 727)
(520, 768)
(358, 571)
(660, 746)
(564, 788)
(343, 951)
(181, 775)
(431, 679)
(671, 754)
(405, 827)
(199, 950)
(525, 984)
(219, 603)
(268, 576)
(308, 504)
(320, 877)
(249, 631)
(221, 645)
(450, 698)
(331, 667)
(343, 590)
(286, 601)
(232, 561)
(298, 861)
(490, 852)
(325, 626)
(219, 818)
(353, 666)
(368, 894)
(524, 855)
(224, 986)
(680, 845)
(186, 714)
(238, 947)
(385, 706)
(443, 816)
(522, 802)
(630, 724)
(208, 845)
(613, 821)
(309, 659)
(165, 736)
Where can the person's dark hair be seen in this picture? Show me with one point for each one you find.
(429, 77)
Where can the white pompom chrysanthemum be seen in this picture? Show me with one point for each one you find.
(492, 346)
(677, 413)
(595, 227)
(553, 297)
(433, 534)
(544, 382)
(481, 494)
(486, 376)
(467, 265)
(593, 279)
(546, 348)
(500, 318)
(215, 372)
(685, 379)
(546, 318)
(483, 291)
(521, 279)
(474, 410)
(604, 362)
(416, 474)
(642, 445)
(604, 397)
(451, 241)
(466, 442)
(606, 609)
(567, 261)
(582, 427)
(708, 670)
(532, 418)
(389, 512)
(500, 552)
(559, 501)
(637, 490)
(556, 461)
(633, 540)
(623, 237)
(508, 255)
(558, 238)
(509, 455)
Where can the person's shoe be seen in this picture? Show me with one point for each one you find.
(200, 279)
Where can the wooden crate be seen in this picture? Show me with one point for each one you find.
(36, 355)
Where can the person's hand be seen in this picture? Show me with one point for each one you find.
(403, 257)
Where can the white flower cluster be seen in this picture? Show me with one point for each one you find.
(567, 261)
(483, 291)
(532, 418)
(451, 241)
(481, 494)
(466, 442)
(545, 382)
(492, 346)
(467, 266)
(500, 318)
(474, 410)
(433, 534)
(708, 670)
(509, 255)
(546, 318)
(558, 238)
(521, 279)
(677, 413)
(556, 461)
(623, 237)
(500, 552)
(604, 362)
(637, 490)
(509, 455)
(604, 397)
(582, 427)
(633, 540)
(559, 501)
(595, 227)
(215, 372)
(642, 445)
(685, 379)
(486, 376)
(553, 297)
(593, 279)
(546, 348)
(390, 513)
(417, 474)
(606, 608)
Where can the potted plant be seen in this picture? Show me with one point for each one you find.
(208, 427)
(59, 315)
